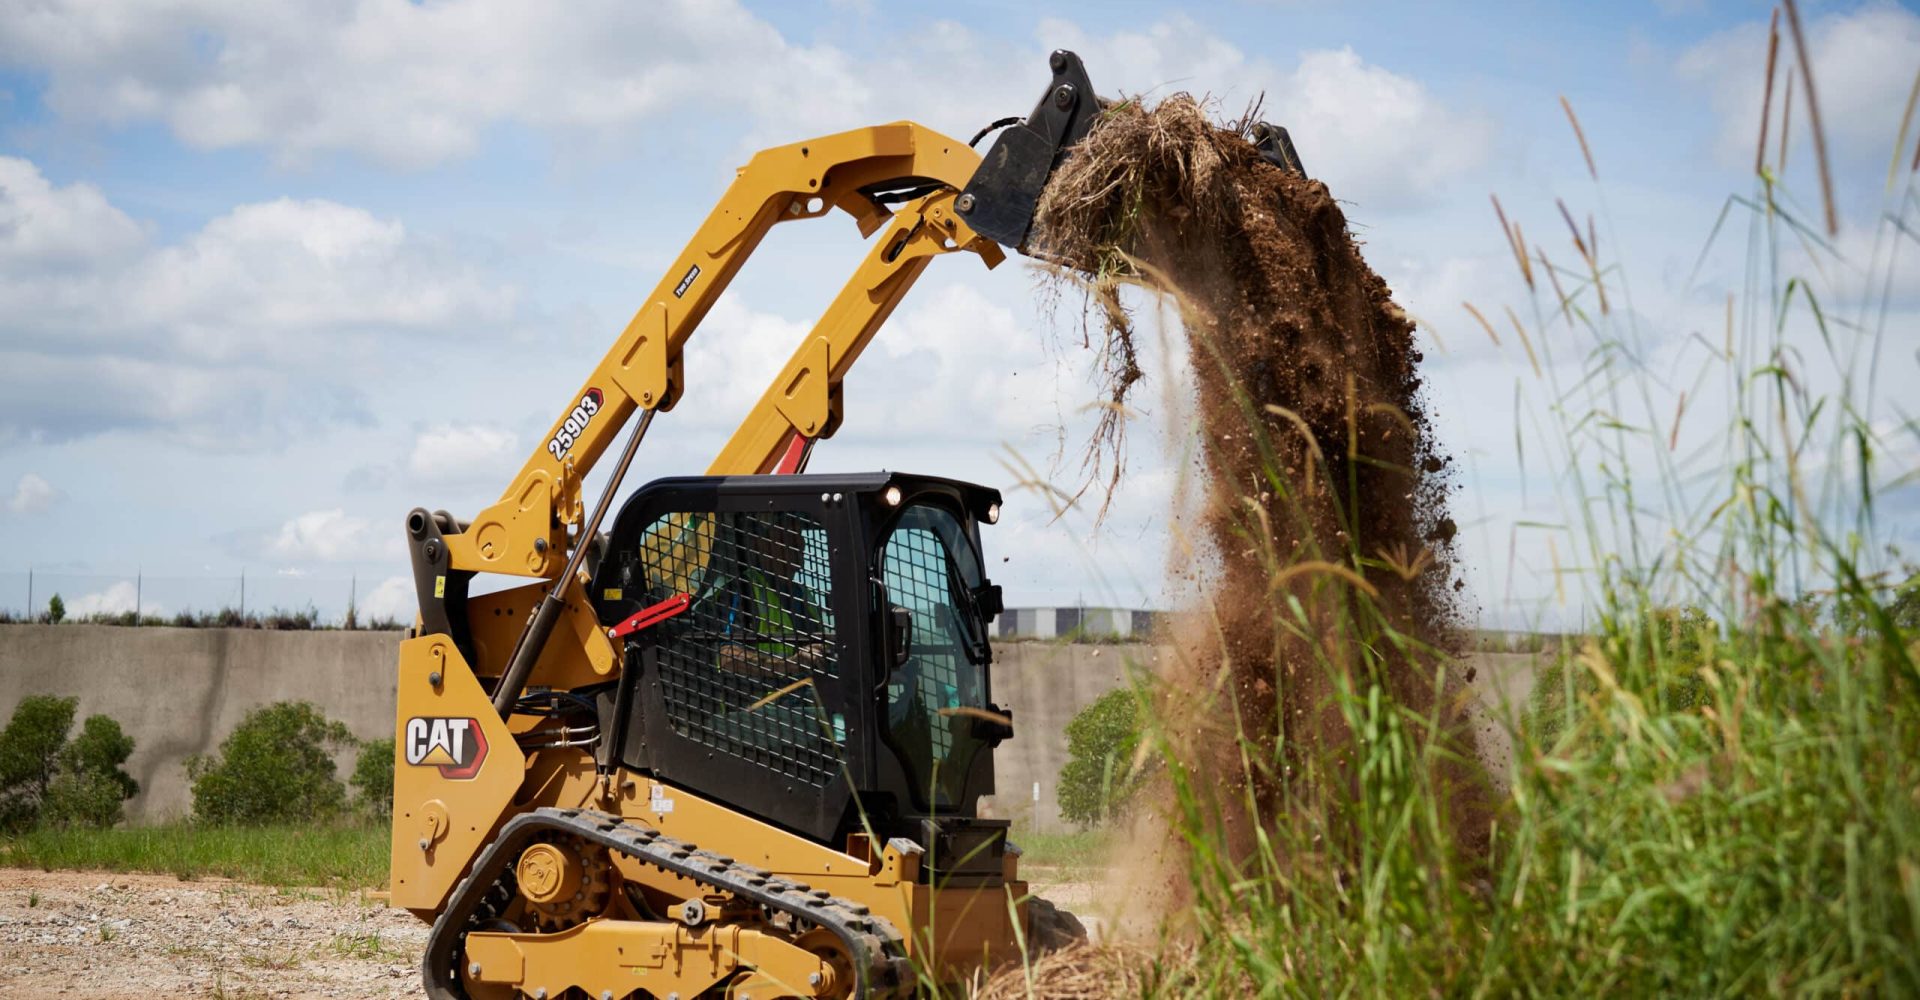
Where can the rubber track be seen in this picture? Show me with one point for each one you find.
(881, 968)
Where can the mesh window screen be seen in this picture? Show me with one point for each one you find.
(738, 667)
(929, 699)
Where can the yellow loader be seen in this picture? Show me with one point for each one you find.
(732, 743)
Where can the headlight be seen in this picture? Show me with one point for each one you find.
(993, 513)
(892, 496)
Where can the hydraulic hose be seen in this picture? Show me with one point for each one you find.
(533, 641)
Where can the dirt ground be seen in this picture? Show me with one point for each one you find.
(104, 936)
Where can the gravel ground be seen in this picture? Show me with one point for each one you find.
(105, 936)
(120, 937)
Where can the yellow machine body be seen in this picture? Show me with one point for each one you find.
(448, 805)
(441, 822)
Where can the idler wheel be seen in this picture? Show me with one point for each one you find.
(564, 881)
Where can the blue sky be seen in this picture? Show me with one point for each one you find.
(271, 275)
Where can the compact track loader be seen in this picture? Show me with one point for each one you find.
(731, 744)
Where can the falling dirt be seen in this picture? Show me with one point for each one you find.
(1321, 522)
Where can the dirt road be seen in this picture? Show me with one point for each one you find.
(103, 936)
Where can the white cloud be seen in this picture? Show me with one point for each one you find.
(1432, 289)
(1863, 65)
(333, 535)
(464, 453)
(733, 360)
(43, 227)
(117, 598)
(950, 364)
(1375, 136)
(407, 83)
(392, 598)
(264, 321)
(32, 495)
(958, 362)
(416, 84)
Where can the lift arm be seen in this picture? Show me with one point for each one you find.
(524, 532)
(942, 183)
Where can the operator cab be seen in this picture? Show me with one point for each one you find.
(812, 650)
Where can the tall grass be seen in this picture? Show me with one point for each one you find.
(347, 856)
(1717, 791)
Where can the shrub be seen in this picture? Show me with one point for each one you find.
(373, 777)
(276, 767)
(89, 787)
(56, 610)
(83, 798)
(29, 752)
(1904, 607)
(46, 778)
(1666, 646)
(1098, 779)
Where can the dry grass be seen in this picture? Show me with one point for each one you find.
(1083, 972)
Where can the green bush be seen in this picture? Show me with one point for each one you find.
(56, 610)
(89, 787)
(1098, 779)
(1668, 646)
(373, 777)
(1904, 607)
(29, 753)
(276, 767)
(83, 799)
(46, 778)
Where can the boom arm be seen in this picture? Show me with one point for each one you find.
(524, 532)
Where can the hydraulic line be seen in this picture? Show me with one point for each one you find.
(534, 640)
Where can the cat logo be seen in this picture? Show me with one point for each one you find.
(455, 746)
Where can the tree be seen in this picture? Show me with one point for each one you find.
(373, 777)
(45, 777)
(275, 767)
(1099, 778)
(89, 788)
(29, 750)
(56, 610)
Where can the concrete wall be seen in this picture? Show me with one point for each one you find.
(180, 691)
(1046, 685)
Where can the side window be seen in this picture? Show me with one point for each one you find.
(738, 667)
(934, 699)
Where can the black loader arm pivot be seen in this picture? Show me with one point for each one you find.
(999, 201)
